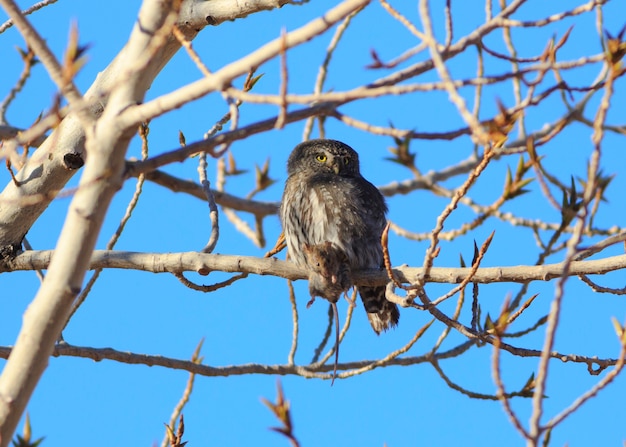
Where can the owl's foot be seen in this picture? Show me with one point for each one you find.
(279, 246)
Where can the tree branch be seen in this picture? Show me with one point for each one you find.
(107, 142)
(46, 172)
(206, 263)
(99, 354)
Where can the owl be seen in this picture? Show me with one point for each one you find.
(326, 200)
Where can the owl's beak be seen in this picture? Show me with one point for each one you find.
(336, 165)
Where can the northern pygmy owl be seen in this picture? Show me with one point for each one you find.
(327, 200)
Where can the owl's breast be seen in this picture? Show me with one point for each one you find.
(339, 217)
(326, 220)
(333, 209)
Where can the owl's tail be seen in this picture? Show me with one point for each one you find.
(382, 314)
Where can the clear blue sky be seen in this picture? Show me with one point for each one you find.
(108, 403)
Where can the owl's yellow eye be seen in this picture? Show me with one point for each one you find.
(321, 158)
(346, 161)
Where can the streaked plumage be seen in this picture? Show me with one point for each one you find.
(326, 200)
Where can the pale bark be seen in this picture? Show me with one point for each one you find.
(103, 175)
(46, 172)
(205, 263)
(101, 125)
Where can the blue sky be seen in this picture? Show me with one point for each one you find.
(110, 403)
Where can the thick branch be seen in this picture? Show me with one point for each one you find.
(107, 143)
(47, 170)
(206, 263)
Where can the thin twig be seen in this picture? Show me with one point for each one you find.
(178, 409)
(36, 7)
(213, 213)
(323, 70)
(295, 321)
(284, 79)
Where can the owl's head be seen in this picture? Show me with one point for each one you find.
(324, 156)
